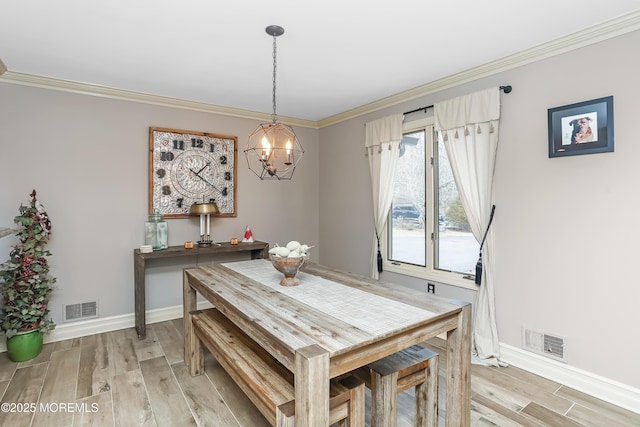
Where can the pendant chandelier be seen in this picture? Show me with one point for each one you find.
(273, 149)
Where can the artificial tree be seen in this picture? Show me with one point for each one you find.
(25, 282)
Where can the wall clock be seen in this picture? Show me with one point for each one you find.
(186, 167)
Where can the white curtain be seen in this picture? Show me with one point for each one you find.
(468, 126)
(382, 142)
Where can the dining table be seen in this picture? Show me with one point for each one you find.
(332, 323)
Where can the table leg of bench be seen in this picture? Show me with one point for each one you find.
(196, 350)
(427, 397)
(312, 387)
(284, 416)
(356, 406)
(193, 351)
(383, 401)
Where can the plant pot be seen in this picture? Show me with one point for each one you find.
(24, 345)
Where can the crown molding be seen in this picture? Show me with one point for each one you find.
(129, 95)
(601, 32)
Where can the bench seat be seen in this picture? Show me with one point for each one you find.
(265, 381)
(416, 367)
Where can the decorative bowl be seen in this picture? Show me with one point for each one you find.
(289, 267)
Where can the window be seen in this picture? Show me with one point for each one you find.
(428, 234)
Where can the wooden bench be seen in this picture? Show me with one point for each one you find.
(265, 381)
(413, 367)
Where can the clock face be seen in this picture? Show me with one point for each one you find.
(191, 167)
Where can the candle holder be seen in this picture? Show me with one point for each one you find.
(204, 210)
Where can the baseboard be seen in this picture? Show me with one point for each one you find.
(602, 388)
(619, 394)
(107, 324)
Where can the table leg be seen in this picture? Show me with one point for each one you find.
(458, 404)
(139, 295)
(189, 304)
(312, 387)
(195, 351)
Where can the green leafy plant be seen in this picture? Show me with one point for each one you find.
(25, 282)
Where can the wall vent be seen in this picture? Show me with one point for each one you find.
(81, 311)
(545, 344)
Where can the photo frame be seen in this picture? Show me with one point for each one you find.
(581, 128)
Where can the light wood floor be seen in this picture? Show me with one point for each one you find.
(113, 379)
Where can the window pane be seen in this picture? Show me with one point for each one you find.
(456, 248)
(407, 231)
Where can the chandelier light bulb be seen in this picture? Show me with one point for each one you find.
(266, 148)
(287, 160)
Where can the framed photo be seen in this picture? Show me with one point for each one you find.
(582, 128)
(187, 167)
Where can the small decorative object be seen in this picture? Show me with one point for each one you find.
(187, 167)
(156, 232)
(25, 285)
(582, 128)
(145, 249)
(233, 241)
(188, 245)
(205, 210)
(289, 260)
(248, 235)
(273, 149)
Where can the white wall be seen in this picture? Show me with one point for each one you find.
(567, 235)
(566, 229)
(87, 158)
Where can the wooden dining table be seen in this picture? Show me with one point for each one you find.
(333, 322)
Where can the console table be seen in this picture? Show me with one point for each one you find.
(257, 250)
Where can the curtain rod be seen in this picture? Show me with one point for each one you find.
(505, 89)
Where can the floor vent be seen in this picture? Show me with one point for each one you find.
(81, 311)
(545, 344)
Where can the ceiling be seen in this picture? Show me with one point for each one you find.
(334, 56)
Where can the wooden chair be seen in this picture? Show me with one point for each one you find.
(413, 367)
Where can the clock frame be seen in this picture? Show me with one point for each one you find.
(186, 167)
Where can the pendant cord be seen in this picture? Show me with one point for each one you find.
(274, 116)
